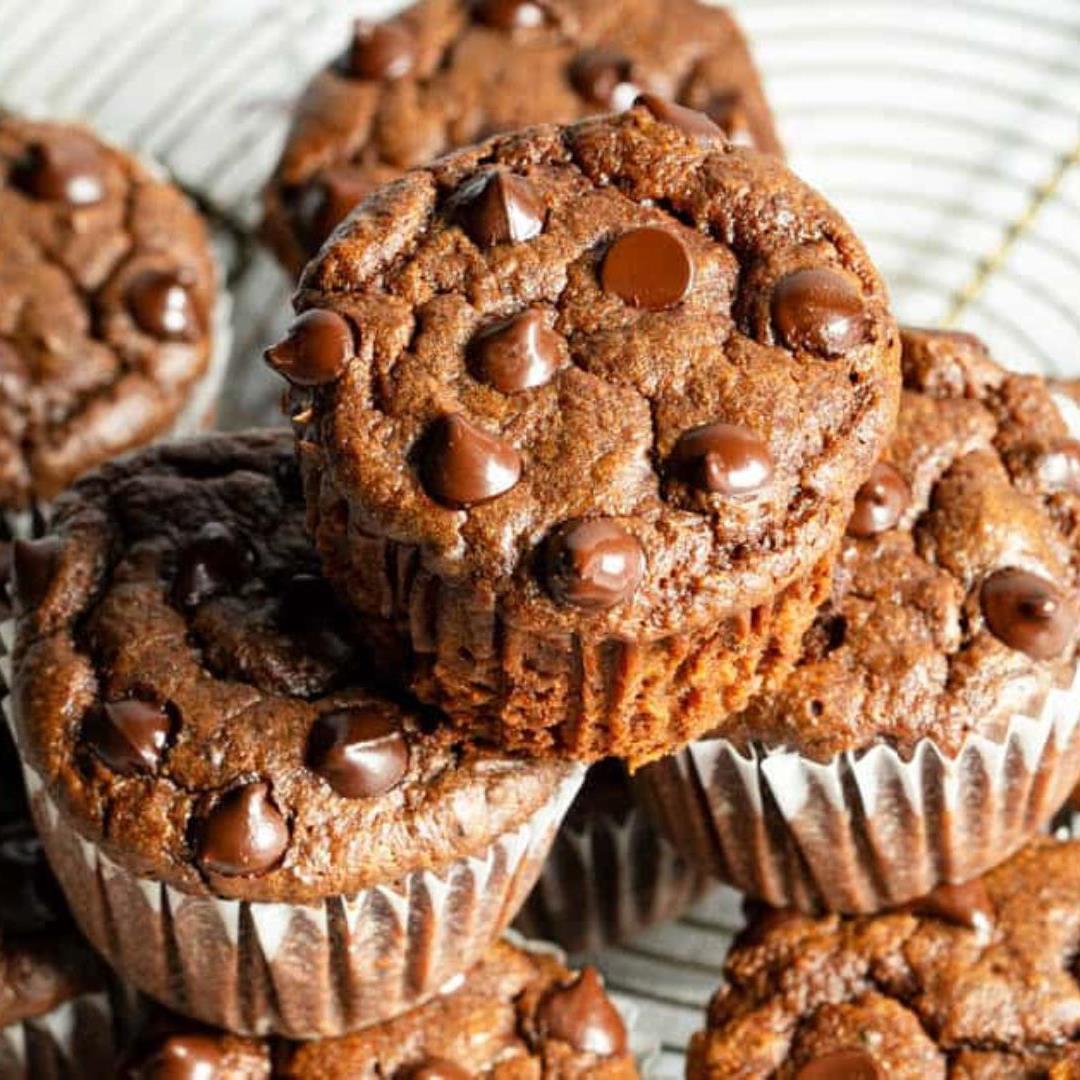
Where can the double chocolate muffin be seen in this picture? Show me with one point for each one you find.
(107, 292)
(447, 73)
(582, 412)
(247, 831)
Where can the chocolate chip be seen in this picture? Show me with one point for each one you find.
(315, 351)
(184, 1057)
(326, 200)
(819, 311)
(33, 564)
(129, 735)
(1027, 613)
(382, 51)
(438, 1069)
(215, 560)
(163, 305)
(842, 1065)
(30, 899)
(510, 14)
(499, 207)
(462, 465)
(360, 753)
(245, 833)
(727, 459)
(966, 905)
(69, 169)
(307, 600)
(880, 502)
(604, 78)
(649, 268)
(686, 120)
(1058, 467)
(518, 353)
(582, 1016)
(593, 564)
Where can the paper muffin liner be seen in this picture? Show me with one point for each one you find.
(75, 1041)
(870, 830)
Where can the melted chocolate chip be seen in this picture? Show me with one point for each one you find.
(1027, 613)
(69, 169)
(724, 458)
(686, 120)
(184, 1057)
(880, 502)
(649, 268)
(842, 1065)
(129, 735)
(33, 564)
(518, 353)
(215, 560)
(29, 897)
(245, 833)
(360, 753)
(819, 311)
(438, 1069)
(593, 564)
(462, 465)
(499, 207)
(163, 305)
(325, 201)
(315, 351)
(582, 1016)
(966, 905)
(382, 51)
(604, 78)
(1058, 467)
(510, 14)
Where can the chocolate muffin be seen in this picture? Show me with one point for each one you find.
(582, 413)
(248, 835)
(447, 73)
(518, 1013)
(930, 727)
(972, 983)
(107, 297)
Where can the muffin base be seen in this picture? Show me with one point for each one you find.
(75, 1041)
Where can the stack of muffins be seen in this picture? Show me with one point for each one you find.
(606, 454)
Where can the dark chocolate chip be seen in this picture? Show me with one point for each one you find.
(510, 14)
(306, 601)
(184, 1057)
(500, 207)
(727, 459)
(326, 200)
(163, 305)
(518, 353)
(69, 168)
(462, 465)
(604, 78)
(593, 564)
(582, 1016)
(1027, 613)
(215, 560)
(1058, 467)
(819, 311)
(33, 564)
(382, 50)
(360, 753)
(129, 735)
(649, 268)
(880, 502)
(966, 905)
(438, 1069)
(315, 351)
(245, 833)
(842, 1065)
(686, 120)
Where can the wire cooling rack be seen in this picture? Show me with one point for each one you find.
(948, 132)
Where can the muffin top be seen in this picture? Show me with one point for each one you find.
(447, 73)
(956, 592)
(623, 375)
(974, 981)
(106, 293)
(181, 684)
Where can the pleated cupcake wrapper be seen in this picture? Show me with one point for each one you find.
(607, 880)
(75, 1041)
(867, 831)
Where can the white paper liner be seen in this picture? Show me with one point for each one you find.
(869, 830)
(75, 1041)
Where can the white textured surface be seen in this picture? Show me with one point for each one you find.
(948, 132)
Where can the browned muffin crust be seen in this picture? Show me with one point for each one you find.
(986, 479)
(447, 73)
(106, 293)
(179, 665)
(714, 373)
(978, 984)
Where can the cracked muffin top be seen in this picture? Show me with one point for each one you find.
(974, 982)
(178, 686)
(447, 73)
(955, 596)
(107, 288)
(623, 376)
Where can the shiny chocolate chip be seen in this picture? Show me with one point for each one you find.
(382, 51)
(1027, 613)
(582, 1016)
(244, 833)
(69, 169)
(593, 564)
(819, 311)
(500, 207)
(604, 78)
(518, 353)
(214, 561)
(33, 565)
(128, 735)
(649, 268)
(360, 753)
(163, 305)
(184, 1057)
(966, 905)
(689, 121)
(510, 14)
(841, 1065)
(315, 351)
(726, 459)
(880, 502)
(462, 465)
(326, 200)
